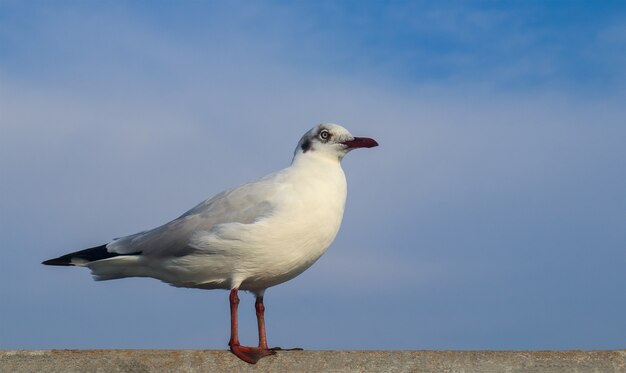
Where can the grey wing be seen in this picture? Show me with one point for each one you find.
(245, 204)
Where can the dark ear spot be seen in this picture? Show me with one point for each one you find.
(306, 146)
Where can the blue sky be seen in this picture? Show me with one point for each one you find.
(491, 217)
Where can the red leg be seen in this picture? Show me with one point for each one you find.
(248, 354)
(234, 329)
(260, 318)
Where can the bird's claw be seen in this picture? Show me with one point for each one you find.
(251, 354)
(286, 349)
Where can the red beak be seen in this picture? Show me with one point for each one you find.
(360, 142)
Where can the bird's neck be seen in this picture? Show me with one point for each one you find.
(316, 157)
(318, 171)
(322, 188)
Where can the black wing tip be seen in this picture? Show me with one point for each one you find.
(89, 255)
(57, 262)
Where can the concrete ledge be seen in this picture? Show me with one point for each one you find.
(312, 361)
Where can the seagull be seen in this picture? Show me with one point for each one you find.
(248, 238)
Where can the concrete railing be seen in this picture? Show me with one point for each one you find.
(312, 361)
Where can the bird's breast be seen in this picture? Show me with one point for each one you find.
(301, 229)
(316, 204)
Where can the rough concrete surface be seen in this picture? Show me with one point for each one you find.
(312, 361)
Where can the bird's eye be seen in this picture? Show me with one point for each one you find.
(324, 135)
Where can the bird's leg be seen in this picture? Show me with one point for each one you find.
(260, 318)
(248, 354)
(234, 329)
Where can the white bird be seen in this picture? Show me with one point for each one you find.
(250, 238)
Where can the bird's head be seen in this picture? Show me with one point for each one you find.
(331, 141)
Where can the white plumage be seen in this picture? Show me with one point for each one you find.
(252, 237)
